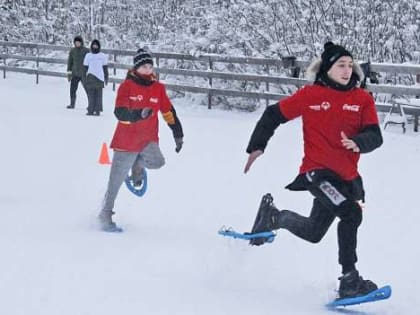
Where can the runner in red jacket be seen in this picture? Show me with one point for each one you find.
(136, 143)
(339, 123)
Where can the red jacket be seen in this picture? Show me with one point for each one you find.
(325, 113)
(135, 136)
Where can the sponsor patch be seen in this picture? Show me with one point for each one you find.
(136, 98)
(325, 105)
(315, 107)
(352, 108)
(154, 100)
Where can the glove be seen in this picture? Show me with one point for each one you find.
(141, 114)
(146, 113)
(69, 76)
(178, 142)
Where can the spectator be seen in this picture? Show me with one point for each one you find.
(96, 65)
(75, 69)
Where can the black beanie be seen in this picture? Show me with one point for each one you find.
(78, 39)
(331, 54)
(95, 50)
(142, 57)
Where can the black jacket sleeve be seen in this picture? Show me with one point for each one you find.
(106, 73)
(368, 139)
(264, 130)
(131, 115)
(176, 127)
(70, 62)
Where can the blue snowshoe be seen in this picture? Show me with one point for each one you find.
(137, 186)
(355, 290)
(230, 232)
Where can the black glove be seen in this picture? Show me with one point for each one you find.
(178, 142)
(141, 114)
(146, 113)
(132, 115)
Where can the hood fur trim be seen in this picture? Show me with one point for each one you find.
(315, 65)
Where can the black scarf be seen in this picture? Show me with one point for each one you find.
(140, 80)
(323, 79)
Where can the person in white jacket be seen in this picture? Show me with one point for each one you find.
(96, 65)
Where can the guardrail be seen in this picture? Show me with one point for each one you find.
(273, 83)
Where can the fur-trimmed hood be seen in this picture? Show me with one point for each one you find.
(315, 65)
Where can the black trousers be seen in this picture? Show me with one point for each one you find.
(330, 202)
(95, 99)
(74, 84)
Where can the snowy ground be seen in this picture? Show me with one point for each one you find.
(170, 259)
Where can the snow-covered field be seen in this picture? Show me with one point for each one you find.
(170, 260)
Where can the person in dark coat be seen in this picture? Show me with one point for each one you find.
(339, 124)
(96, 65)
(75, 69)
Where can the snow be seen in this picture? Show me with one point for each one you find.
(170, 259)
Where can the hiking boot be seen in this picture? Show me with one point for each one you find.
(105, 222)
(266, 219)
(352, 285)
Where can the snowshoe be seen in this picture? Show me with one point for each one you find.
(137, 186)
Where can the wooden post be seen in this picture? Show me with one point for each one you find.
(210, 83)
(267, 84)
(4, 62)
(37, 64)
(157, 65)
(115, 70)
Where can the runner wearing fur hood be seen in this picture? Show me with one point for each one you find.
(340, 123)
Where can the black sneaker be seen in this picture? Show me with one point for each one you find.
(266, 219)
(70, 106)
(353, 285)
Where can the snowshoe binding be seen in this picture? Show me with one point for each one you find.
(353, 285)
(265, 221)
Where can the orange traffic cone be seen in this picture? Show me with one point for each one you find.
(104, 157)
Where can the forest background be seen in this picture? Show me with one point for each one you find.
(375, 30)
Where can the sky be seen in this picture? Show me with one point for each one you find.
(170, 259)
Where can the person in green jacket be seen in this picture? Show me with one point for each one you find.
(75, 69)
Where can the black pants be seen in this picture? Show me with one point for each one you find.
(95, 99)
(74, 84)
(330, 202)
